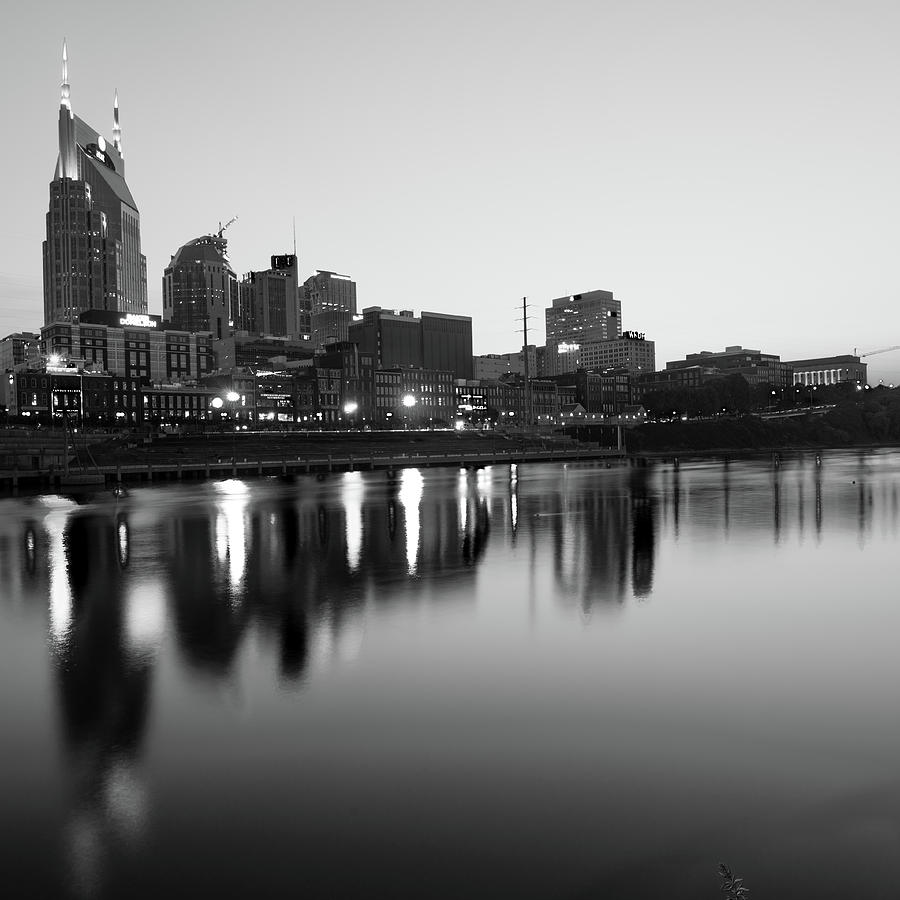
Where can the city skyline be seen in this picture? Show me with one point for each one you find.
(729, 175)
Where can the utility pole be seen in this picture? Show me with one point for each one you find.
(529, 412)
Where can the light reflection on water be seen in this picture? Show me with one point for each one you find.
(571, 680)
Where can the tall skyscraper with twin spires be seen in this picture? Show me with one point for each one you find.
(92, 254)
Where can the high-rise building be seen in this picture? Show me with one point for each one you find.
(574, 320)
(435, 341)
(92, 253)
(271, 299)
(200, 289)
(332, 305)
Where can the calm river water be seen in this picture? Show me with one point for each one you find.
(550, 681)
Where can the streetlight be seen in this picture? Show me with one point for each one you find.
(232, 397)
(350, 408)
(217, 403)
(409, 401)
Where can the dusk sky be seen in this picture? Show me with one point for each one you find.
(729, 170)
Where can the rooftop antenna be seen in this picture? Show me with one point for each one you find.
(294, 220)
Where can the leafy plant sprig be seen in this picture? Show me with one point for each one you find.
(732, 886)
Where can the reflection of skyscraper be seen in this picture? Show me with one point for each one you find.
(643, 531)
(589, 534)
(92, 254)
(209, 616)
(104, 688)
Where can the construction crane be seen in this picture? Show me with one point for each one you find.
(223, 227)
(876, 352)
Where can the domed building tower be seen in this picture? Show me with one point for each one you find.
(200, 289)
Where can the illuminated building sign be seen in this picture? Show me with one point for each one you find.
(137, 321)
(470, 402)
(568, 348)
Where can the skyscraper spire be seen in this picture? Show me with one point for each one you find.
(117, 130)
(64, 87)
(67, 167)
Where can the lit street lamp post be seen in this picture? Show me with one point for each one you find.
(217, 403)
(232, 397)
(408, 401)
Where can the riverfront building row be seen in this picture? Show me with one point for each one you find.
(313, 396)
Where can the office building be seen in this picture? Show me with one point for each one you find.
(200, 289)
(447, 343)
(686, 378)
(578, 319)
(632, 352)
(244, 350)
(605, 393)
(492, 366)
(129, 346)
(756, 367)
(92, 252)
(272, 299)
(331, 299)
(434, 341)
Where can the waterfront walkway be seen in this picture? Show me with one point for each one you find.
(287, 455)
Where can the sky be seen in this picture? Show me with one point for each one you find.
(729, 170)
